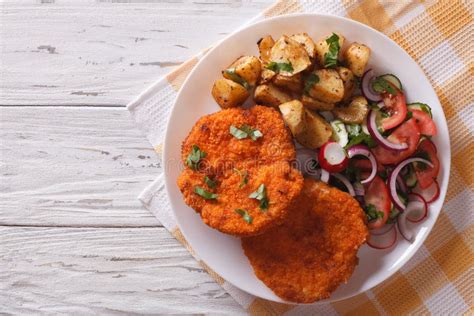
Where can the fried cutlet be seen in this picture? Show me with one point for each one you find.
(238, 168)
(306, 258)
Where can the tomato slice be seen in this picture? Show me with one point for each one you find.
(427, 175)
(396, 107)
(378, 195)
(425, 123)
(408, 133)
(365, 165)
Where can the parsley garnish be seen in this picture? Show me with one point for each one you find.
(205, 194)
(381, 85)
(362, 138)
(243, 177)
(330, 58)
(409, 116)
(392, 217)
(209, 182)
(372, 212)
(245, 215)
(260, 195)
(194, 157)
(237, 78)
(277, 67)
(245, 131)
(312, 79)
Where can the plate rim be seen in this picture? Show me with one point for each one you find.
(443, 186)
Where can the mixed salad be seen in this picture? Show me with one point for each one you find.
(388, 163)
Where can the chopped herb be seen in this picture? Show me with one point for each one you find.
(277, 67)
(372, 212)
(209, 182)
(392, 217)
(409, 116)
(243, 177)
(381, 85)
(383, 174)
(205, 194)
(245, 131)
(330, 58)
(245, 215)
(312, 80)
(362, 138)
(237, 78)
(353, 129)
(261, 195)
(194, 157)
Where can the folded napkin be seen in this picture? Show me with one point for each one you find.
(439, 278)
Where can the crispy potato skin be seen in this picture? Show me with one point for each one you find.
(348, 80)
(266, 160)
(322, 48)
(315, 250)
(357, 57)
(307, 42)
(287, 50)
(316, 132)
(316, 105)
(270, 95)
(329, 88)
(353, 113)
(294, 116)
(265, 45)
(247, 67)
(229, 94)
(293, 83)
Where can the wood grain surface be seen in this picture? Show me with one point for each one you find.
(73, 237)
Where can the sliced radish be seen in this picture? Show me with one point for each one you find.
(346, 182)
(332, 157)
(429, 194)
(417, 209)
(382, 230)
(383, 241)
(364, 151)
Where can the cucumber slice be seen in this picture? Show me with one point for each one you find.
(420, 106)
(340, 133)
(393, 80)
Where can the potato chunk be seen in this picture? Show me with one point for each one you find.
(293, 83)
(316, 132)
(246, 67)
(265, 45)
(322, 48)
(316, 105)
(354, 113)
(229, 94)
(348, 80)
(329, 88)
(307, 42)
(294, 116)
(357, 57)
(289, 51)
(268, 94)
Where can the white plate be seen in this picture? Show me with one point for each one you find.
(223, 253)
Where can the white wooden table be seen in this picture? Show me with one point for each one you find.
(74, 238)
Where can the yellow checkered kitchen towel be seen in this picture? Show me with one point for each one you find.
(439, 279)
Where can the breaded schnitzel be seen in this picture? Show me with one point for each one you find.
(306, 258)
(244, 184)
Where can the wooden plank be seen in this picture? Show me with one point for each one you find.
(103, 271)
(73, 167)
(104, 53)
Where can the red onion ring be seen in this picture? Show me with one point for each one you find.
(364, 151)
(392, 180)
(401, 184)
(416, 202)
(374, 132)
(382, 230)
(366, 87)
(359, 189)
(346, 182)
(429, 194)
(383, 241)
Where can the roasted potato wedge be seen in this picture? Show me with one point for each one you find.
(329, 88)
(247, 68)
(357, 57)
(316, 132)
(265, 45)
(268, 94)
(353, 113)
(229, 94)
(293, 83)
(322, 48)
(294, 116)
(348, 80)
(266, 75)
(307, 42)
(316, 105)
(289, 51)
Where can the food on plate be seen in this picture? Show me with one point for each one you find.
(237, 172)
(294, 116)
(348, 81)
(292, 84)
(245, 70)
(315, 250)
(265, 45)
(307, 42)
(288, 57)
(328, 50)
(229, 94)
(270, 95)
(357, 57)
(329, 88)
(316, 105)
(316, 132)
(353, 113)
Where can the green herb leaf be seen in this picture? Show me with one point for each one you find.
(243, 177)
(236, 78)
(245, 215)
(361, 138)
(392, 217)
(205, 194)
(194, 157)
(277, 67)
(409, 115)
(261, 195)
(330, 58)
(245, 131)
(209, 182)
(381, 85)
(312, 80)
(372, 212)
